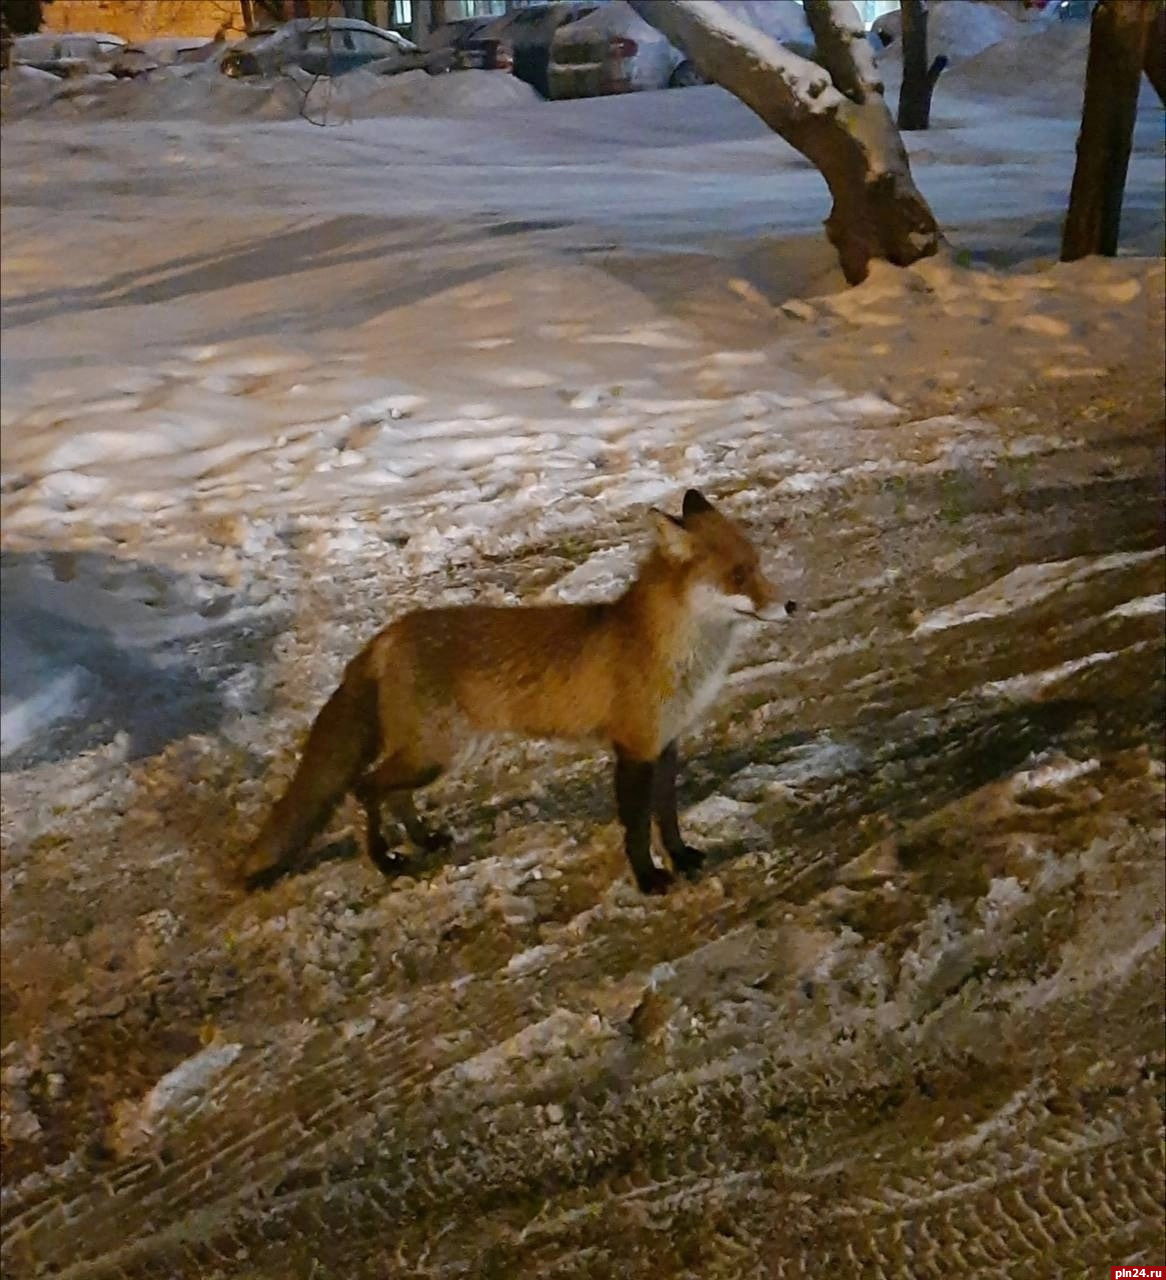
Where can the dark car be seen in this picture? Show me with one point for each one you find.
(470, 46)
(328, 47)
(529, 33)
(1075, 10)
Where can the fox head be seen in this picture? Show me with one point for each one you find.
(723, 570)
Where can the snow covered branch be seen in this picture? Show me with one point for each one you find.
(843, 47)
(724, 47)
(834, 114)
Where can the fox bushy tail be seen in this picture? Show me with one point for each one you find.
(342, 743)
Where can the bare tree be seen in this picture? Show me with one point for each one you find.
(918, 78)
(276, 10)
(23, 17)
(834, 114)
(1118, 53)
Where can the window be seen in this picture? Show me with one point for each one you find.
(328, 40)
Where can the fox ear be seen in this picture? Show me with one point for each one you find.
(671, 537)
(695, 503)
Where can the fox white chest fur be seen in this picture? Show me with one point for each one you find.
(699, 672)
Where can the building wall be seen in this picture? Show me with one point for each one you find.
(141, 19)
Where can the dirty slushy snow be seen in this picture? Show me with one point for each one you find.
(267, 385)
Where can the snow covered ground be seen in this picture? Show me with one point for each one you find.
(266, 384)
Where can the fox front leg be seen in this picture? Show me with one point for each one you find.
(634, 787)
(684, 857)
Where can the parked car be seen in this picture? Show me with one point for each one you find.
(471, 46)
(329, 47)
(529, 34)
(140, 59)
(67, 53)
(613, 50)
(1075, 10)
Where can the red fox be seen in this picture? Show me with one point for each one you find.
(635, 672)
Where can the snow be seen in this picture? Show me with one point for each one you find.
(1140, 607)
(846, 20)
(957, 30)
(1005, 67)
(200, 91)
(1053, 773)
(1032, 684)
(307, 372)
(1027, 585)
(268, 385)
(137, 1124)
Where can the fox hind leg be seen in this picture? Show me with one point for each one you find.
(426, 838)
(392, 783)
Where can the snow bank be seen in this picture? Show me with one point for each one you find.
(203, 93)
(24, 90)
(785, 22)
(957, 29)
(993, 56)
(1033, 62)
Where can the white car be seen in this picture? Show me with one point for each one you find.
(613, 50)
(67, 52)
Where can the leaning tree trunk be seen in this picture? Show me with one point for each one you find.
(1117, 55)
(834, 114)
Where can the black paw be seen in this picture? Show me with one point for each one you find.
(686, 859)
(388, 862)
(264, 878)
(434, 840)
(654, 881)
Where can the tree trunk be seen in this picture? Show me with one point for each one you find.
(918, 80)
(1117, 54)
(419, 27)
(836, 117)
(24, 17)
(273, 8)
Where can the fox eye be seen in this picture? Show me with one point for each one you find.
(740, 577)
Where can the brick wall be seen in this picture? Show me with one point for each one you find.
(141, 19)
